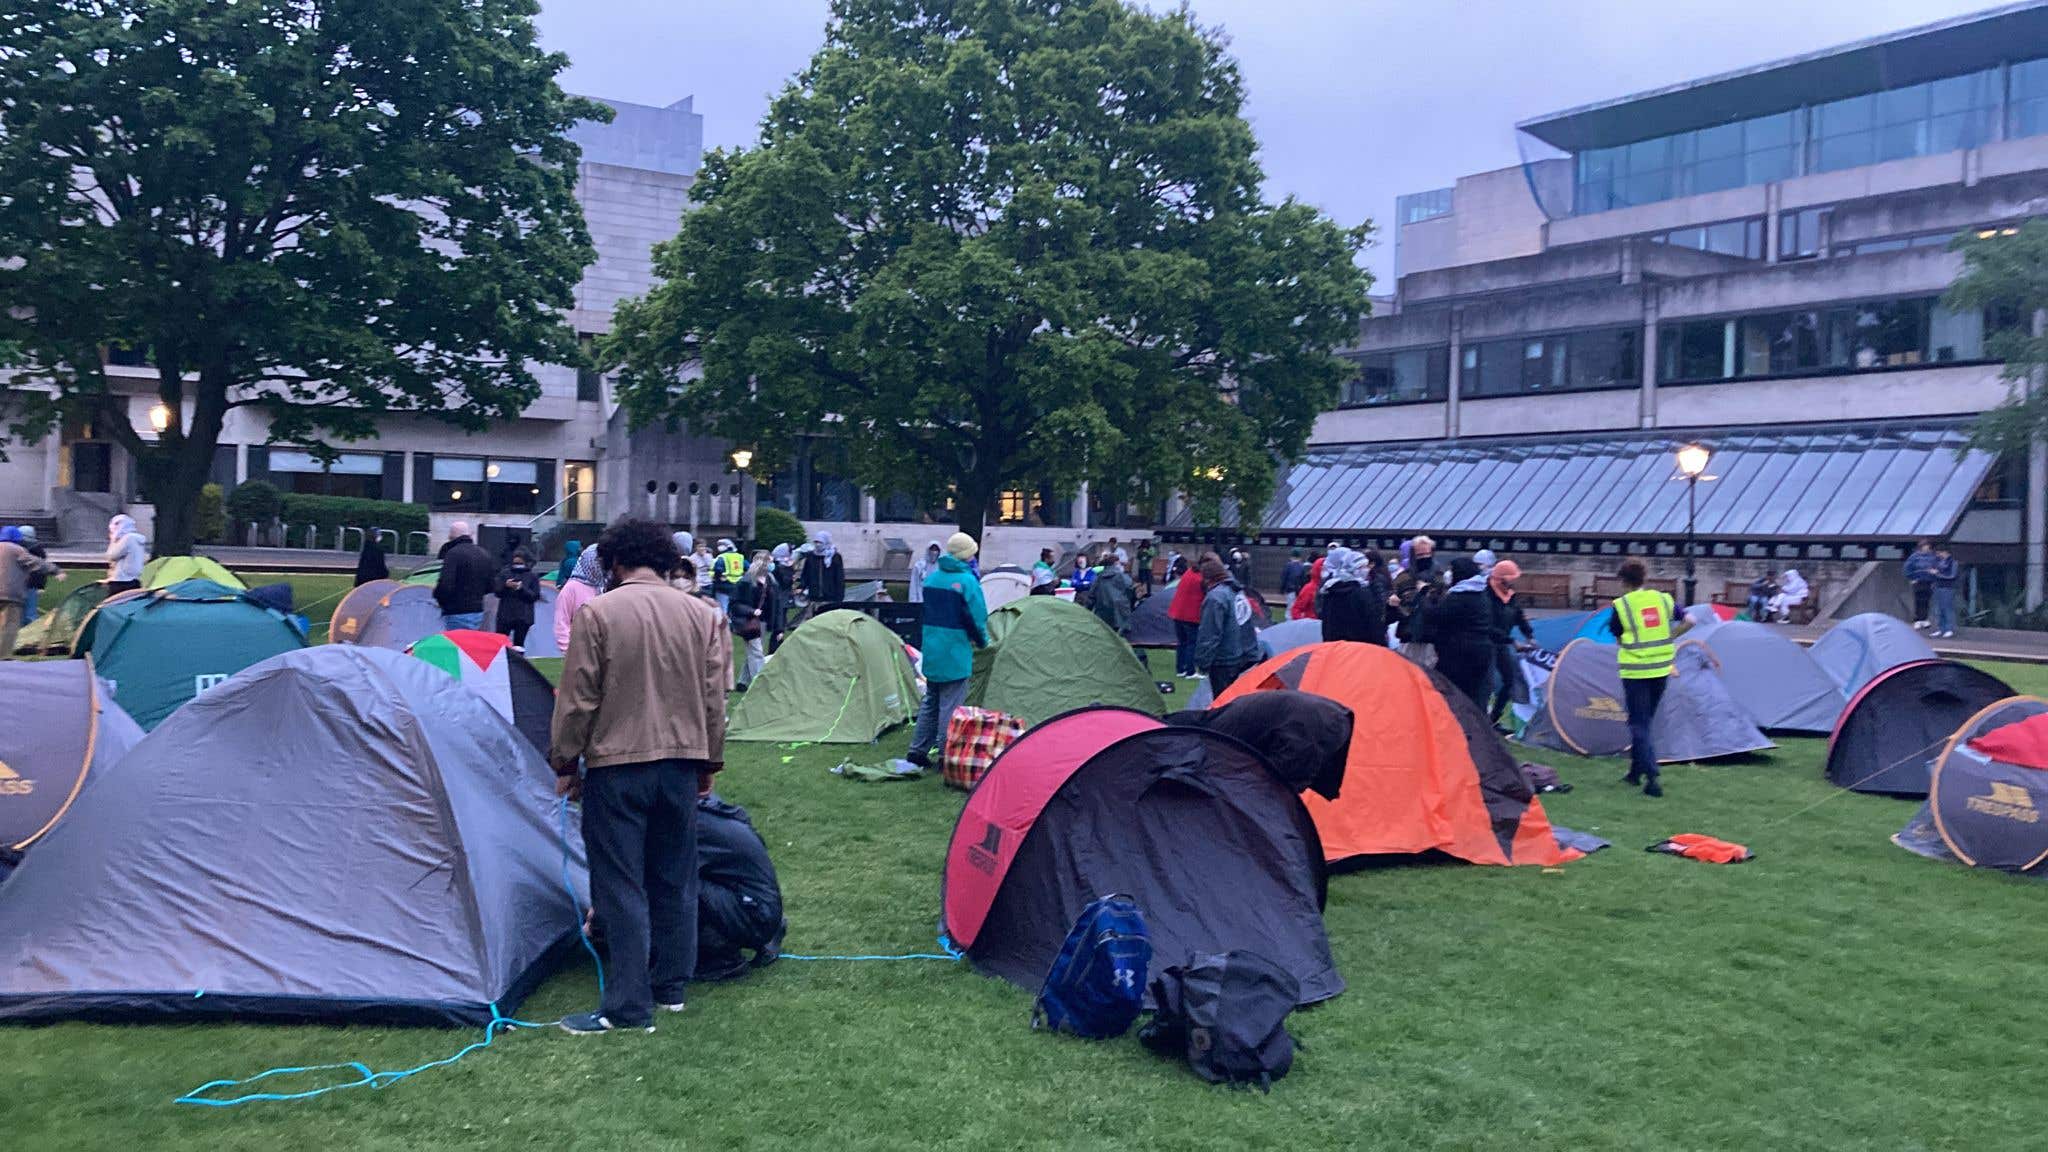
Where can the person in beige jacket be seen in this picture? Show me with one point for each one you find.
(17, 565)
(641, 708)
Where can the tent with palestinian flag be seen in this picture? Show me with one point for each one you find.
(487, 665)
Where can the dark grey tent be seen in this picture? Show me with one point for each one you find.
(1582, 709)
(385, 614)
(1149, 625)
(1285, 637)
(1775, 680)
(338, 833)
(1986, 793)
(63, 726)
(1862, 648)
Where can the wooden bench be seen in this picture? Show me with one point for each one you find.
(1735, 593)
(1606, 588)
(1544, 590)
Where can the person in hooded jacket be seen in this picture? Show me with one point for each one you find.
(1226, 641)
(955, 624)
(1114, 594)
(571, 552)
(1185, 610)
(922, 567)
(1309, 595)
(1460, 625)
(782, 566)
(127, 553)
(1350, 611)
(370, 563)
(824, 577)
(518, 590)
(585, 582)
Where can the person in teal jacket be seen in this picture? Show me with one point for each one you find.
(955, 624)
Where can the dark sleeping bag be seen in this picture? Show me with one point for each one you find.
(1304, 737)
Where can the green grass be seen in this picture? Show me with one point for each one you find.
(1837, 993)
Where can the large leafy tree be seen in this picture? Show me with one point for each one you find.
(998, 242)
(330, 209)
(2006, 276)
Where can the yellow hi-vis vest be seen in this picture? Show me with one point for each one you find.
(729, 566)
(1646, 648)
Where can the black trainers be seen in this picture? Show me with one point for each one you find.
(593, 1023)
(1652, 788)
(921, 759)
(1632, 779)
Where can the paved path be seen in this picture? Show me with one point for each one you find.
(1966, 644)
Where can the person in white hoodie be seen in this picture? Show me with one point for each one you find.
(127, 552)
(921, 567)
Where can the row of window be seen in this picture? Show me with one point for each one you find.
(443, 483)
(1843, 338)
(1923, 119)
(589, 381)
(1838, 338)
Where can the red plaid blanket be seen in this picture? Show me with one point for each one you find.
(974, 738)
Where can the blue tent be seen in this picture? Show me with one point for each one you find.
(1554, 632)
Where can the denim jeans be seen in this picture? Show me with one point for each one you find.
(1184, 635)
(752, 665)
(1923, 595)
(452, 620)
(1642, 698)
(28, 605)
(1944, 609)
(935, 712)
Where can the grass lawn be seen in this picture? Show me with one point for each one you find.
(1837, 993)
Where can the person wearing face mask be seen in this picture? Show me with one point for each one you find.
(1460, 625)
(781, 566)
(518, 589)
(1349, 610)
(752, 607)
(922, 567)
(824, 572)
(1508, 618)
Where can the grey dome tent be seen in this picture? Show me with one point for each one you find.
(1775, 680)
(1986, 793)
(1894, 730)
(1285, 637)
(1862, 648)
(339, 833)
(63, 728)
(386, 614)
(1149, 625)
(1582, 710)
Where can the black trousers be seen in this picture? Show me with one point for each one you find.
(1222, 676)
(1642, 698)
(640, 834)
(1506, 667)
(1467, 666)
(516, 632)
(1923, 595)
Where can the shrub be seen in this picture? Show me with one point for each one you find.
(257, 500)
(211, 524)
(773, 526)
(330, 513)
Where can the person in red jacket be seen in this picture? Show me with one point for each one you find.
(1304, 606)
(1185, 610)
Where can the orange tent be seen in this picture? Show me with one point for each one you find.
(1426, 771)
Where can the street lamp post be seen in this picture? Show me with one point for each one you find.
(742, 459)
(1692, 462)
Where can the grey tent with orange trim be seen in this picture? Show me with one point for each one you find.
(1987, 793)
(63, 727)
(385, 614)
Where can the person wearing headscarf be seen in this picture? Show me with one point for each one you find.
(1226, 641)
(1508, 618)
(824, 575)
(1414, 588)
(1486, 559)
(571, 552)
(921, 567)
(584, 585)
(1349, 611)
(1461, 627)
(127, 553)
(750, 606)
(1792, 592)
(782, 566)
(370, 563)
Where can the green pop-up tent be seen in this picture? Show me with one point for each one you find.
(1046, 656)
(165, 571)
(160, 647)
(840, 678)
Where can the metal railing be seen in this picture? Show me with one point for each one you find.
(381, 533)
(341, 538)
(426, 542)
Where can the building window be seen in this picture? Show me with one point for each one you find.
(1011, 506)
(1419, 206)
(357, 474)
(1800, 233)
(1755, 151)
(458, 484)
(1409, 376)
(92, 466)
(128, 355)
(1916, 120)
(589, 381)
(1572, 361)
(579, 485)
(1744, 238)
(513, 486)
(1842, 338)
(2027, 104)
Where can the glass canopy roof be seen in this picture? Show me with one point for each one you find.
(1835, 483)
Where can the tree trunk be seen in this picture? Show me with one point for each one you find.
(174, 492)
(971, 501)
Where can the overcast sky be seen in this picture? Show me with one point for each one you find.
(1354, 101)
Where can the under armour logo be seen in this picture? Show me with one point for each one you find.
(1125, 978)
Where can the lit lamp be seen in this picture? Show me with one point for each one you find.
(742, 458)
(160, 417)
(1692, 464)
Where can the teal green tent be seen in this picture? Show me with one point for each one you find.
(161, 647)
(1046, 656)
(840, 678)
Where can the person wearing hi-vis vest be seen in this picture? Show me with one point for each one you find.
(726, 570)
(1648, 626)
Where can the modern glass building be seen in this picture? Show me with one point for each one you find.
(1755, 261)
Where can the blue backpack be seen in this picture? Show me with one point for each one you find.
(1096, 986)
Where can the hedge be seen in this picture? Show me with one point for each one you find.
(773, 526)
(334, 512)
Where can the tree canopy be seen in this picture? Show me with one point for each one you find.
(2006, 276)
(996, 243)
(328, 209)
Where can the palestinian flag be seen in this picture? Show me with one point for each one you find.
(486, 663)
